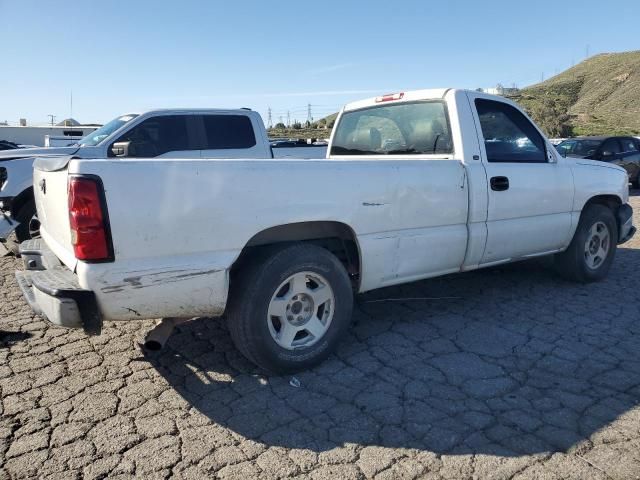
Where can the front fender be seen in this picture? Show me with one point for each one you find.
(595, 179)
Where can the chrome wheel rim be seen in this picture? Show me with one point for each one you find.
(597, 246)
(301, 310)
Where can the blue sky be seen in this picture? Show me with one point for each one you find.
(119, 56)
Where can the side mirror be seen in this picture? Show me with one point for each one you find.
(606, 156)
(120, 149)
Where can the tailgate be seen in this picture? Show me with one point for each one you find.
(50, 177)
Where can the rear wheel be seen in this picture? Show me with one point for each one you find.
(28, 227)
(591, 252)
(290, 307)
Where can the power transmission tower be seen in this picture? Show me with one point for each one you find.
(280, 118)
(309, 116)
(269, 121)
(288, 119)
(53, 119)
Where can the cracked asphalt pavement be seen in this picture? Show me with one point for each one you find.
(521, 375)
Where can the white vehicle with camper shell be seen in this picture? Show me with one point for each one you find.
(415, 185)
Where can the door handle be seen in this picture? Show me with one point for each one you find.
(499, 184)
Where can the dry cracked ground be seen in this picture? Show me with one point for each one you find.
(519, 375)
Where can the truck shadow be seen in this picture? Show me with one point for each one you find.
(520, 362)
(9, 338)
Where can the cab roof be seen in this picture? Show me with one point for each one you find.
(407, 96)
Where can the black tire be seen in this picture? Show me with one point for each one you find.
(572, 263)
(252, 290)
(23, 231)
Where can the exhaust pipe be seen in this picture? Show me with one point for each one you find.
(159, 334)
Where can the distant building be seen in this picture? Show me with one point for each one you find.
(499, 90)
(69, 122)
(40, 136)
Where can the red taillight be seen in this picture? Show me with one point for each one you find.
(389, 97)
(89, 235)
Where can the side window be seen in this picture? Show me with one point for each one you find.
(610, 147)
(228, 131)
(629, 145)
(159, 135)
(508, 135)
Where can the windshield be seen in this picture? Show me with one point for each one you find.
(95, 137)
(579, 148)
(398, 129)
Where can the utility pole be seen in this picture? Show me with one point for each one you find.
(269, 121)
(53, 119)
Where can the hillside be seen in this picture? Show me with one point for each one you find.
(599, 96)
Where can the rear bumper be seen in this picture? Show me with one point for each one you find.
(53, 291)
(625, 223)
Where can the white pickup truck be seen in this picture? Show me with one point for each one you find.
(415, 185)
(167, 133)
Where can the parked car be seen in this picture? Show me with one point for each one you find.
(155, 134)
(412, 188)
(623, 151)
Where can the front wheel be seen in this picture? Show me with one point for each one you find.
(290, 307)
(591, 252)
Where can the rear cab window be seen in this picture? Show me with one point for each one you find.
(409, 128)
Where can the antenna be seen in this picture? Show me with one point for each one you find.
(71, 109)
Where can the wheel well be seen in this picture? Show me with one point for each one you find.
(612, 202)
(336, 237)
(21, 200)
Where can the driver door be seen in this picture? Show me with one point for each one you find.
(530, 188)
